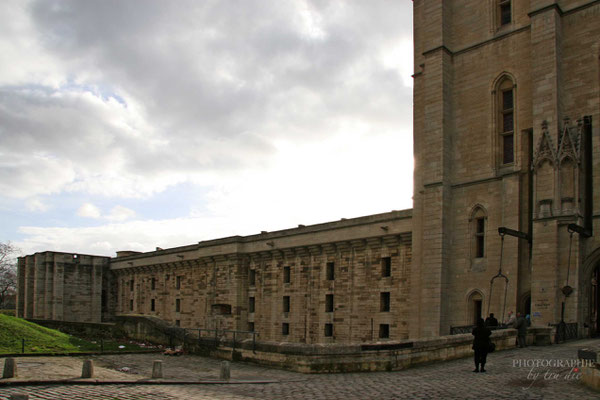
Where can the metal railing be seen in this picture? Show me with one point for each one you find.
(565, 331)
(217, 337)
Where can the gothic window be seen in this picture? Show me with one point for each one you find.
(505, 120)
(504, 12)
(478, 227)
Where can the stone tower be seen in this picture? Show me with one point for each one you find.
(506, 113)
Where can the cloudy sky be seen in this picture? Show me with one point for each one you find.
(126, 125)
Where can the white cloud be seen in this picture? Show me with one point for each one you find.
(88, 210)
(36, 205)
(120, 213)
(288, 112)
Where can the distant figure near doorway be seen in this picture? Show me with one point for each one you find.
(491, 321)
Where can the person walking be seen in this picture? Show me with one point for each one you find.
(521, 327)
(481, 344)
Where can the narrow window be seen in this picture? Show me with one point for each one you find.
(178, 283)
(329, 303)
(286, 275)
(507, 121)
(131, 285)
(153, 284)
(384, 331)
(251, 326)
(328, 330)
(286, 303)
(152, 305)
(178, 305)
(384, 304)
(252, 277)
(177, 322)
(330, 271)
(285, 329)
(130, 305)
(251, 305)
(479, 237)
(505, 12)
(386, 266)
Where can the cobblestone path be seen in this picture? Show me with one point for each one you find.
(508, 377)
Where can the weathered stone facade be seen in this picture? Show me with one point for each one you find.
(494, 84)
(506, 131)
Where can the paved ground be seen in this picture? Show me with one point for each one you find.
(449, 380)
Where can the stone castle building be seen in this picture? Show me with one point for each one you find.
(506, 135)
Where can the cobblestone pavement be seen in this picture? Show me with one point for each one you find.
(505, 379)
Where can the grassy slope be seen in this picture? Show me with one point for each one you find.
(39, 339)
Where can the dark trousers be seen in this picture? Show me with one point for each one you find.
(521, 341)
(480, 357)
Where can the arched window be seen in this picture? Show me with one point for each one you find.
(504, 94)
(478, 226)
(507, 120)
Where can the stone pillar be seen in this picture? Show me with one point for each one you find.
(87, 371)
(48, 290)
(58, 290)
(432, 153)
(225, 372)
(29, 279)
(546, 79)
(157, 371)
(21, 272)
(39, 284)
(10, 368)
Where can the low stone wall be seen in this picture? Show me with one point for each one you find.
(590, 370)
(387, 356)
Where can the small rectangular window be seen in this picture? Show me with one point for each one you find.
(505, 12)
(384, 331)
(130, 305)
(251, 326)
(286, 303)
(177, 322)
(178, 305)
(131, 285)
(178, 282)
(285, 329)
(286, 274)
(328, 330)
(329, 303)
(152, 305)
(384, 302)
(153, 284)
(386, 266)
(251, 304)
(252, 277)
(330, 266)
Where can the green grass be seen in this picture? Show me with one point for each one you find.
(8, 312)
(39, 339)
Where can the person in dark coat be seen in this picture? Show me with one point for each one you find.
(481, 344)
(491, 320)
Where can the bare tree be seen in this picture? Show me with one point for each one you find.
(8, 272)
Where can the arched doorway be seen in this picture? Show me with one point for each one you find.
(525, 304)
(475, 304)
